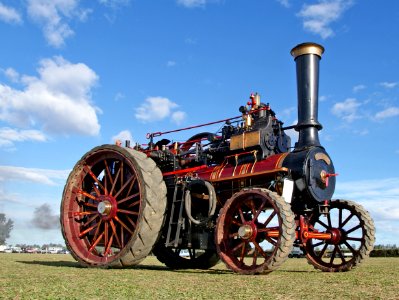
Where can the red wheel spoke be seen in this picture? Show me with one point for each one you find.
(235, 222)
(123, 225)
(252, 206)
(108, 246)
(122, 237)
(322, 224)
(329, 220)
(90, 220)
(97, 230)
(354, 229)
(340, 218)
(260, 250)
(347, 220)
(333, 256)
(96, 242)
(134, 203)
(255, 258)
(87, 204)
(114, 233)
(269, 229)
(128, 198)
(260, 209)
(317, 244)
(241, 215)
(242, 255)
(132, 184)
(269, 218)
(83, 213)
(83, 233)
(237, 247)
(92, 197)
(105, 235)
(124, 211)
(124, 186)
(131, 222)
(340, 253)
(87, 169)
(108, 173)
(323, 250)
(116, 180)
(354, 239)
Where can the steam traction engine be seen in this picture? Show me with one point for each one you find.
(240, 195)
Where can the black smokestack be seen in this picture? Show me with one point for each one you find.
(307, 57)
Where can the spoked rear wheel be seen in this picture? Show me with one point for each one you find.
(255, 231)
(352, 231)
(113, 207)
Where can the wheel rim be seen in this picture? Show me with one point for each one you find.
(101, 207)
(249, 232)
(345, 223)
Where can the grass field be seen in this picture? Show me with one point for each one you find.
(58, 276)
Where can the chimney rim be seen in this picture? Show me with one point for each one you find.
(307, 48)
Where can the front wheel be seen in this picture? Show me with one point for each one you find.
(352, 237)
(255, 231)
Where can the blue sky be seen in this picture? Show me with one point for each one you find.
(77, 74)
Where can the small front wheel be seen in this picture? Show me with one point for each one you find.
(352, 230)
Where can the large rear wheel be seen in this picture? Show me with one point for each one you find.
(113, 207)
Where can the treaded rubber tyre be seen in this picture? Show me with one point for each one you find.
(357, 236)
(240, 231)
(113, 207)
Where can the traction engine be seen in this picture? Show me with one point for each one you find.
(242, 195)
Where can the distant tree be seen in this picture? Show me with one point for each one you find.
(5, 228)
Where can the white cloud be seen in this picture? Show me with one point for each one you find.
(358, 88)
(9, 14)
(9, 135)
(347, 110)
(58, 100)
(285, 3)
(387, 113)
(192, 3)
(124, 135)
(115, 3)
(389, 85)
(318, 17)
(41, 176)
(12, 75)
(53, 16)
(156, 109)
(170, 63)
(179, 116)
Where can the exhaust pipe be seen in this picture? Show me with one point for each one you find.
(307, 57)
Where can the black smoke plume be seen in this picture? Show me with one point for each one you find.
(44, 218)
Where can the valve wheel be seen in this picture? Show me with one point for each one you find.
(352, 237)
(113, 207)
(255, 231)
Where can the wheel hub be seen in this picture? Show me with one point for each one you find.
(107, 206)
(336, 235)
(104, 208)
(247, 231)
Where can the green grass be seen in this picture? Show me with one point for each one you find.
(45, 276)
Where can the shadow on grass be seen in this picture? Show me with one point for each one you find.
(69, 264)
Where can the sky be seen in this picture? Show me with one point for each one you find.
(78, 74)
